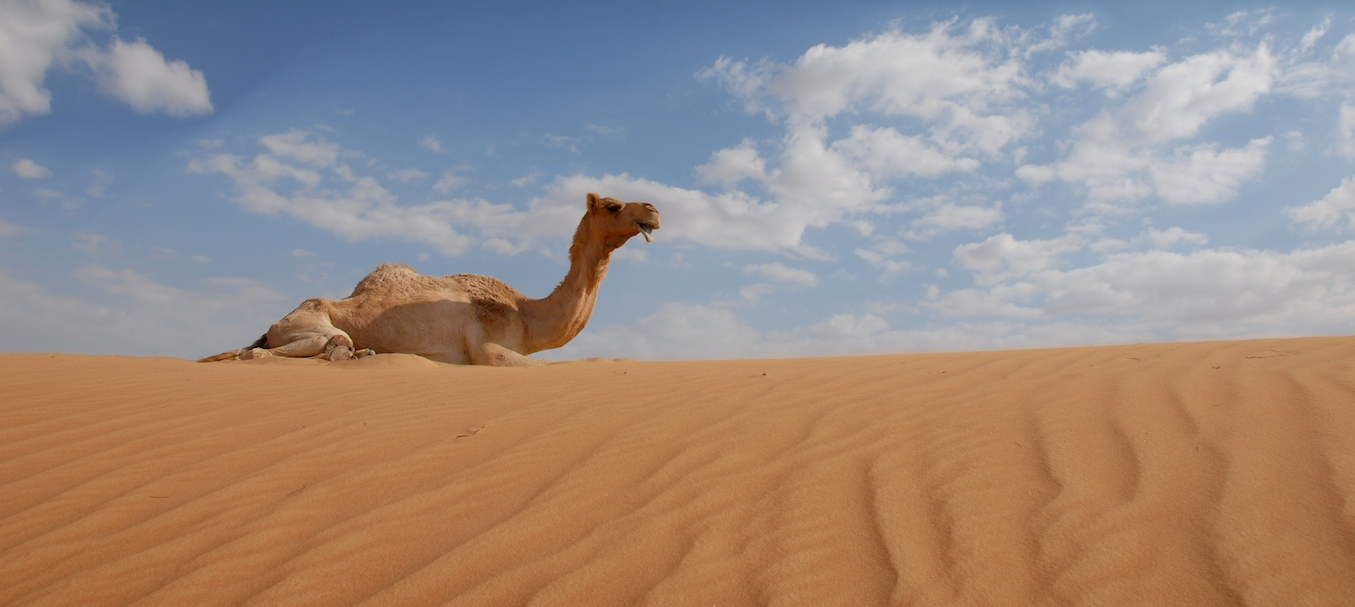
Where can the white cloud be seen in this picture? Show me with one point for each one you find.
(8, 229)
(730, 166)
(950, 217)
(449, 181)
(924, 75)
(851, 326)
(695, 331)
(27, 169)
(887, 153)
(432, 144)
(132, 314)
(954, 85)
(1345, 127)
(305, 179)
(1314, 34)
(98, 185)
(1204, 174)
(676, 331)
(34, 35)
(606, 132)
(1003, 256)
(38, 34)
(139, 75)
(882, 255)
(729, 220)
(780, 272)
(1163, 239)
(406, 175)
(1127, 153)
(297, 145)
(1172, 295)
(1112, 71)
(1276, 291)
(755, 292)
(1183, 96)
(531, 177)
(1334, 212)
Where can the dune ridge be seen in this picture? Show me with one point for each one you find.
(1209, 473)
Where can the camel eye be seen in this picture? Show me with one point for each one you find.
(613, 208)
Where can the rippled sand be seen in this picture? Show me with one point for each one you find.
(1163, 474)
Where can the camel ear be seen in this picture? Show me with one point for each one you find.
(594, 201)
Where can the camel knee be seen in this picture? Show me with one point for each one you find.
(303, 347)
(253, 353)
(339, 347)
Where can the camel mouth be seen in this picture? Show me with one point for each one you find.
(646, 230)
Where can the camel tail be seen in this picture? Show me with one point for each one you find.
(262, 342)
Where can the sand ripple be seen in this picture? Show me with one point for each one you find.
(1166, 474)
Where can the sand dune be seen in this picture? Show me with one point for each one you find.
(1169, 474)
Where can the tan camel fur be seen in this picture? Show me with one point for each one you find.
(464, 318)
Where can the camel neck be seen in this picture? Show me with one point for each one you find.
(556, 319)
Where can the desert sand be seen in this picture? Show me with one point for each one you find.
(1212, 473)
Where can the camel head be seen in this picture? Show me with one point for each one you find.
(616, 221)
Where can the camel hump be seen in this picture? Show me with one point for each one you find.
(387, 277)
(487, 288)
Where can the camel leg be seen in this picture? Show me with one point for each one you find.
(494, 355)
(307, 332)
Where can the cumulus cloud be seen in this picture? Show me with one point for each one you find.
(1334, 212)
(1205, 174)
(1003, 256)
(952, 68)
(36, 35)
(1113, 72)
(918, 106)
(1202, 293)
(1134, 150)
(139, 75)
(1298, 292)
(27, 169)
(885, 152)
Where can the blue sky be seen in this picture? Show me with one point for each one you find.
(834, 178)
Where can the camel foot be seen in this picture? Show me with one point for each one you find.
(364, 353)
(339, 353)
(253, 353)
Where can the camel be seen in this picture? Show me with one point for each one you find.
(459, 319)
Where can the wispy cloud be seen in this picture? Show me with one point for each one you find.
(306, 177)
(432, 144)
(780, 272)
